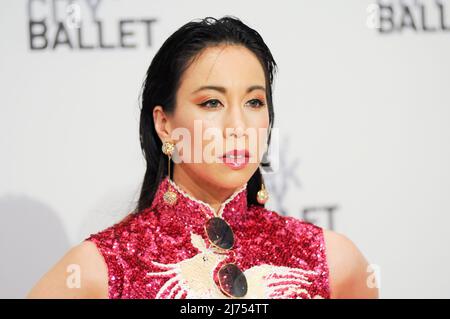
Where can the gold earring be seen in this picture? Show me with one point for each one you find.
(263, 195)
(169, 196)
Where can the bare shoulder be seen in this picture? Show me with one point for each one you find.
(349, 276)
(80, 273)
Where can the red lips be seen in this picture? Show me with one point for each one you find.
(236, 159)
(237, 153)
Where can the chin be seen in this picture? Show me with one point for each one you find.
(225, 177)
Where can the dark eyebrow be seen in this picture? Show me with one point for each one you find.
(223, 90)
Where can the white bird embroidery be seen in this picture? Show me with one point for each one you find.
(193, 278)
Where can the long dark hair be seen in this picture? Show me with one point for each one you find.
(163, 79)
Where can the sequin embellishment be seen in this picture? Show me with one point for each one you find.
(163, 251)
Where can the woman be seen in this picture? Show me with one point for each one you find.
(200, 229)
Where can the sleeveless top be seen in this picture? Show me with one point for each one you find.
(164, 252)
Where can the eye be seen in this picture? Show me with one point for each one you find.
(211, 105)
(258, 103)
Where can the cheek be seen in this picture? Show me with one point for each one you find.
(187, 115)
(261, 123)
(183, 134)
(198, 138)
(262, 120)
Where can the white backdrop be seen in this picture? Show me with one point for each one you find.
(363, 118)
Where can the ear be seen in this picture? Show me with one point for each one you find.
(162, 123)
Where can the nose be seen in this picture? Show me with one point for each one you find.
(235, 124)
(235, 132)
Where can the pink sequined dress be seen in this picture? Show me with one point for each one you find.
(164, 252)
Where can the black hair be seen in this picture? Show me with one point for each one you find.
(163, 80)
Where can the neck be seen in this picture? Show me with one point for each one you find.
(201, 190)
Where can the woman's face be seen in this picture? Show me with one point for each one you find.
(209, 122)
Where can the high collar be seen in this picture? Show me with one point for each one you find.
(234, 204)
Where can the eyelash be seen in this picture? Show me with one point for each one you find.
(204, 104)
